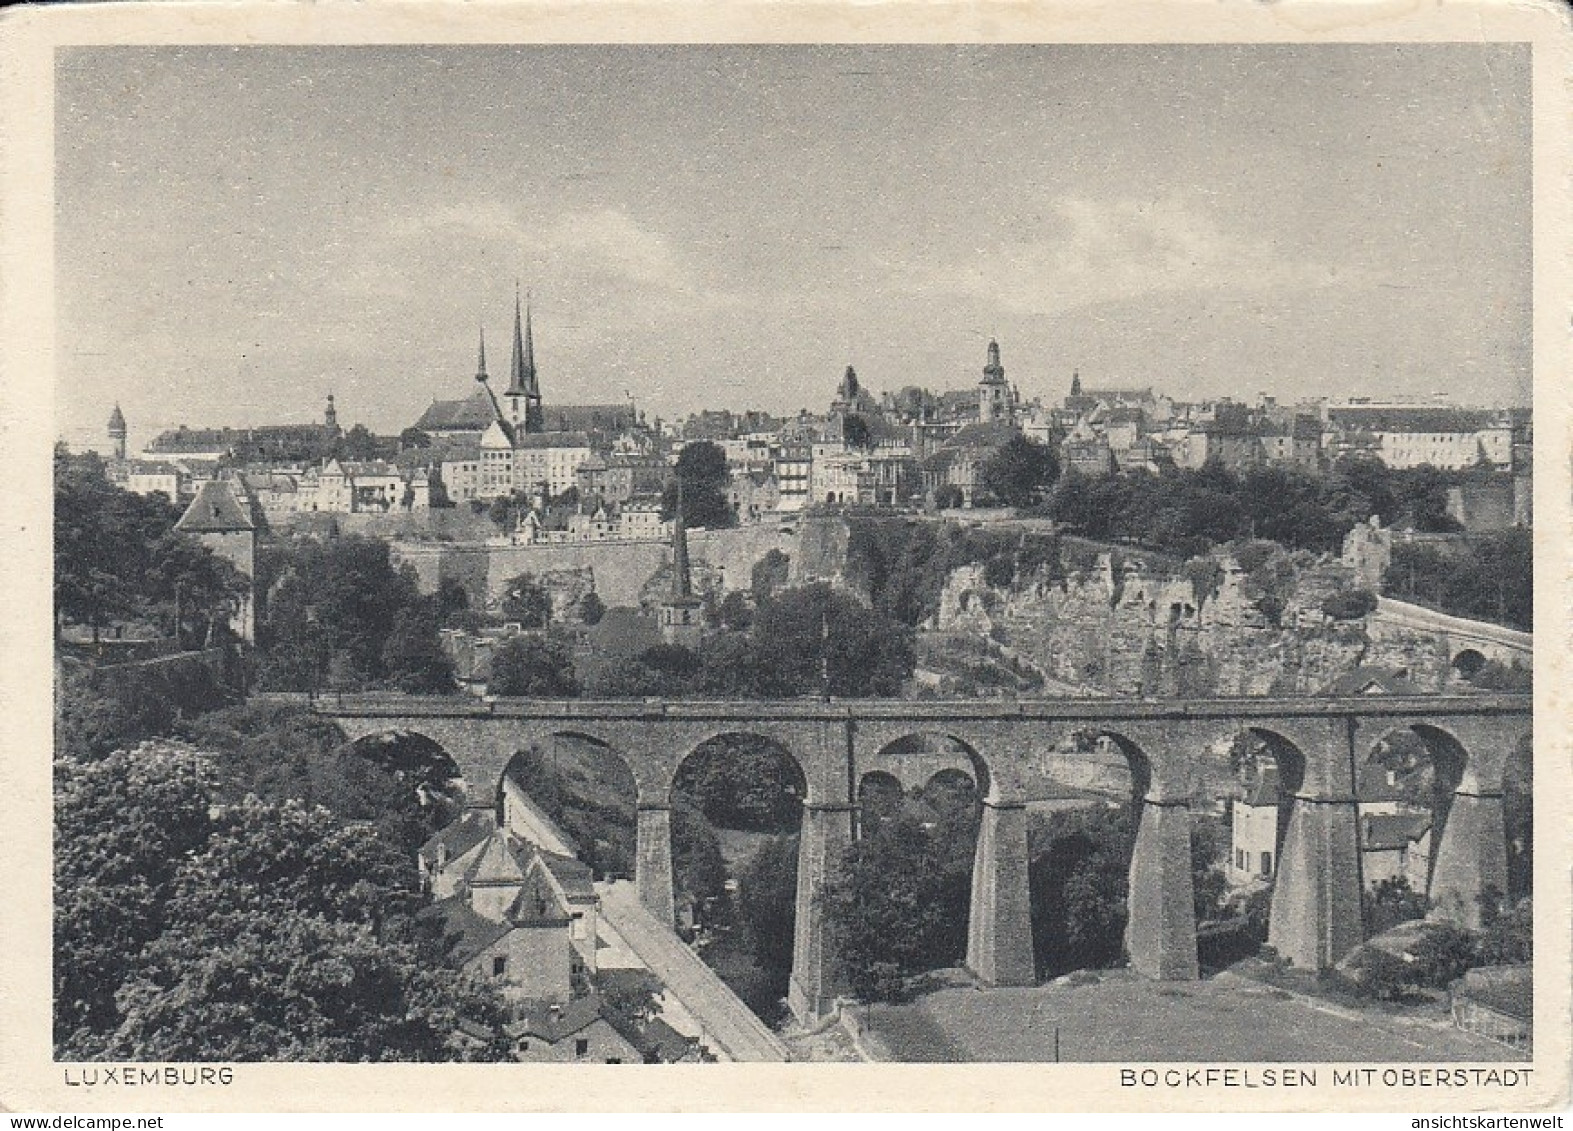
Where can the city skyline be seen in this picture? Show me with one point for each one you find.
(241, 231)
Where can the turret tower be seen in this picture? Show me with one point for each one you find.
(117, 432)
(995, 400)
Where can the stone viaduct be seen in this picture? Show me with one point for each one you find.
(1169, 745)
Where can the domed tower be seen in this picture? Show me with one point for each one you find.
(117, 432)
(995, 401)
(330, 418)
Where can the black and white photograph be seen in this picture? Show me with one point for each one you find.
(797, 553)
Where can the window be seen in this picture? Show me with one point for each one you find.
(614, 1060)
(1267, 863)
(499, 966)
(581, 1046)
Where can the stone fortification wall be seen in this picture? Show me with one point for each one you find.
(445, 524)
(731, 554)
(1117, 630)
(821, 551)
(621, 571)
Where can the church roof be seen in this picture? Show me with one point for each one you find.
(536, 905)
(214, 510)
(472, 414)
(117, 421)
(588, 417)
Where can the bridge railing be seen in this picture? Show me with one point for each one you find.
(394, 704)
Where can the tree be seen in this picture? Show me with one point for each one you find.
(190, 930)
(742, 781)
(1508, 937)
(1349, 604)
(892, 907)
(948, 496)
(540, 666)
(591, 608)
(817, 634)
(735, 612)
(1019, 470)
(413, 655)
(702, 471)
(771, 572)
(1078, 873)
(1390, 902)
(330, 613)
(359, 444)
(526, 602)
(413, 439)
(123, 825)
(698, 868)
(855, 433)
(767, 904)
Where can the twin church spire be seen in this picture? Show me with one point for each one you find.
(523, 394)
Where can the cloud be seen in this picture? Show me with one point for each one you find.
(604, 251)
(1094, 250)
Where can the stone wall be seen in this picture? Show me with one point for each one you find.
(1117, 630)
(446, 524)
(621, 571)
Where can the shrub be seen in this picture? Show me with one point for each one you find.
(1349, 604)
(1381, 975)
(1442, 953)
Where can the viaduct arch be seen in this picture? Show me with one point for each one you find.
(1315, 918)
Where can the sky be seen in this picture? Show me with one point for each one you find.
(242, 230)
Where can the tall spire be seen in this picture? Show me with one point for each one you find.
(531, 384)
(516, 376)
(522, 379)
(480, 366)
(682, 579)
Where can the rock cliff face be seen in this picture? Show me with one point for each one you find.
(1118, 629)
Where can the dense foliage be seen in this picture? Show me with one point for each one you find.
(339, 615)
(702, 472)
(898, 903)
(742, 781)
(803, 641)
(1490, 577)
(538, 665)
(1188, 512)
(1019, 471)
(118, 558)
(903, 565)
(186, 929)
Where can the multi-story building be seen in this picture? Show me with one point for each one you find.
(1442, 436)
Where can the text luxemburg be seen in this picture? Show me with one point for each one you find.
(147, 1075)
